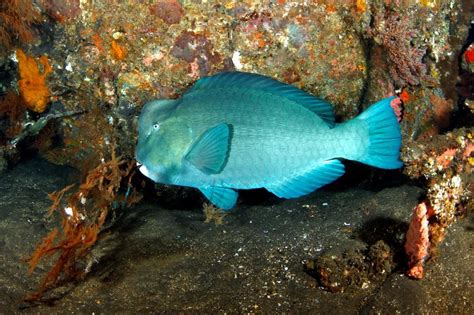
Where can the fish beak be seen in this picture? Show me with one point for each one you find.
(143, 170)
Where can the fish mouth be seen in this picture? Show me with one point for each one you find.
(151, 173)
(143, 169)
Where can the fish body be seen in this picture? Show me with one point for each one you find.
(242, 131)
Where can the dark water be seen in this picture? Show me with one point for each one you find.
(158, 259)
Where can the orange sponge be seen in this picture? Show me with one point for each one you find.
(32, 82)
(118, 52)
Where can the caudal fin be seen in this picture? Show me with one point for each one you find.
(385, 139)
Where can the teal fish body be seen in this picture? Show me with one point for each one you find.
(242, 131)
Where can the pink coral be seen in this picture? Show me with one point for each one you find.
(395, 33)
(469, 149)
(397, 107)
(418, 240)
(446, 157)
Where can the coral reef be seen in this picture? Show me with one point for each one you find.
(118, 52)
(465, 85)
(198, 51)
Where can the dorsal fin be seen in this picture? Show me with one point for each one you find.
(259, 82)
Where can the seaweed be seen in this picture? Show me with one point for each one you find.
(16, 20)
(83, 220)
(213, 214)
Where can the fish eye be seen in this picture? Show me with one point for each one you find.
(156, 126)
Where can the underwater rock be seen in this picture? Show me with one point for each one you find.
(355, 268)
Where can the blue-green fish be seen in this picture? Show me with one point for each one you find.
(239, 130)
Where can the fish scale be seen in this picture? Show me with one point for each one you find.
(272, 134)
(242, 131)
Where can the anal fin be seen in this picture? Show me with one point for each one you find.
(322, 174)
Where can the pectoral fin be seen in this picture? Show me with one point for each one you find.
(224, 198)
(211, 150)
(323, 173)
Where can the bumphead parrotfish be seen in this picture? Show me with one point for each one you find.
(239, 130)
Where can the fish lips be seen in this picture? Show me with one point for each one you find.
(150, 173)
(143, 169)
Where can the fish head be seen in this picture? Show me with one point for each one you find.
(162, 140)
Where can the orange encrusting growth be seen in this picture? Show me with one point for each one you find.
(404, 96)
(361, 5)
(32, 82)
(118, 52)
(97, 41)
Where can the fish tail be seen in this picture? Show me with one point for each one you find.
(383, 145)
